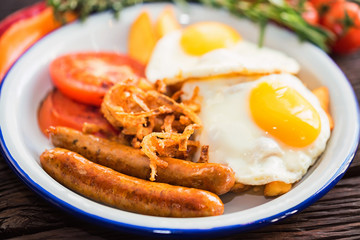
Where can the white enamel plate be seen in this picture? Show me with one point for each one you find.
(28, 81)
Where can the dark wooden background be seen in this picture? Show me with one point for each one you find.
(24, 215)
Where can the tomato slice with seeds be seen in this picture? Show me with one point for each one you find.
(58, 110)
(86, 77)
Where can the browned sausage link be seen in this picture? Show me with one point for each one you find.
(212, 177)
(107, 186)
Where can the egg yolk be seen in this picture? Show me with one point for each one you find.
(200, 38)
(285, 114)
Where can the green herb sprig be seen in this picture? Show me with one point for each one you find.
(263, 11)
(85, 7)
(259, 11)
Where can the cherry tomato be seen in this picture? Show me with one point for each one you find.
(343, 19)
(322, 6)
(310, 14)
(59, 110)
(86, 77)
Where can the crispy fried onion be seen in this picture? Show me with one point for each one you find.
(160, 126)
(193, 103)
(138, 112)
(131, 109)
(155, 143)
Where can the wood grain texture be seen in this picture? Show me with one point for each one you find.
(25, 215)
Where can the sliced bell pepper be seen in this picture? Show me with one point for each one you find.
(21, 14)
(22, 34)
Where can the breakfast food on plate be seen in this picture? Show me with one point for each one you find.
(57, 109)
(208, 49)
(270, 129)
(142, 38)
(143, 34)
(256, 116)
(276, 188)
(86, 77)
(213, 177)
(322, 94)
(190, 114)
(132, 194)
(166, 22)
(142, 115)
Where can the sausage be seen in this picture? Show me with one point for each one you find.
(128, 193)
(213, 177)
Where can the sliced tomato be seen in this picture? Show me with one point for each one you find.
(59, 110)
(86, 77)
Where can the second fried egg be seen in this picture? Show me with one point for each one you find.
(208, 49)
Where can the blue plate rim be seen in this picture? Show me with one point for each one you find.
(142, 230)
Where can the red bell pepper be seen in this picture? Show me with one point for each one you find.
(24, 28)
(22, 14)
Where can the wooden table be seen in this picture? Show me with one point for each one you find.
(24, 215)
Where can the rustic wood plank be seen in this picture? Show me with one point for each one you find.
(79, 233)
(21, 210)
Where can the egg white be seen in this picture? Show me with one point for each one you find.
(171, 64)
(235, 140)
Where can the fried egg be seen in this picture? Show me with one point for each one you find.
(270, 129)
(208, 49)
